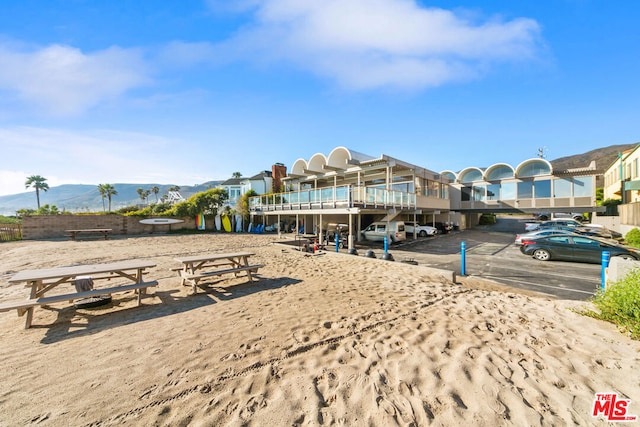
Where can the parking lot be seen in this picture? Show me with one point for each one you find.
(491, 254)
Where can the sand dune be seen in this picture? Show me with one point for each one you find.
(318, 340)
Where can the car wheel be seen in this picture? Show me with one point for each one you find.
(422, 233)
(542, 255)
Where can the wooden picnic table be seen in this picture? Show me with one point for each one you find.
(196, 267)
(105, 232)
(42, 281)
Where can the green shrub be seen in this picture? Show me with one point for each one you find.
(487, 219)
(632, 238)
(619, 304)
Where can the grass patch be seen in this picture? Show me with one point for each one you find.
(619, 304)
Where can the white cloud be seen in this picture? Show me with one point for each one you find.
(382, 43)
(62, 80)
(91, 157)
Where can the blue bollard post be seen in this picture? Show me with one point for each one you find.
(337, 242)
(386, 245)
(606, 256)
(463, 254)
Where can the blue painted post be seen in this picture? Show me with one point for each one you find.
(337, 242)
(386, 245)
(606, 256)
(463, 254)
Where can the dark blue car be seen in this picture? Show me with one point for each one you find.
(575, 248)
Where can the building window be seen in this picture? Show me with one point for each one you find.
(508, 191)
(479, 192)
(562, 188)
(525, 190)
(583, 187)
(493, 192)
(542, 189)
(465, 194)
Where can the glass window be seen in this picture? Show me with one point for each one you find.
(466, 194)
(542, 189)
(493, 192)
(471, 175)
(562, 188)
(525, 190)
(500, 172)
(585, 241)
(583, 187)
(534, 168)
(508, 191)
(479, 192)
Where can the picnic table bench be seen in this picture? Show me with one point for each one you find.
(42, 281)
(197, 267)
(105, 232)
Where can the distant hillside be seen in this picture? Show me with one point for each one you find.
(86, 198)
(604, 158)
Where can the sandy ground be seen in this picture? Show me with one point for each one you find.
(317, 340)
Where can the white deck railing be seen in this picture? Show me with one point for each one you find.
(345, 196)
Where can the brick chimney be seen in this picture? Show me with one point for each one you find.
(278, 171)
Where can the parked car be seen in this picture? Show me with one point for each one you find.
(546, 216)
(377, 231)
(540, 233)
(343, 235)
(530, 226)
(574, 248)
(443, 227)
(421, 230)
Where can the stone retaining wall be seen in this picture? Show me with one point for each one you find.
(54, 226)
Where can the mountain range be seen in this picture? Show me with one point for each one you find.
(86, 198)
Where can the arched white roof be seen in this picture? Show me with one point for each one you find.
(449, 174)
(499, 171)
(317, 163)
(339, 158)
(533, 167)
(299, 167)
(470, 174)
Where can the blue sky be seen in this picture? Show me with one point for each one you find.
(183, 92)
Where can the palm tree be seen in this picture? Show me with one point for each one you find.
(110, 191)
(236, 175)
(39, 183)
(174, 188)
(103, 194)
(155, 190)
(141, 194)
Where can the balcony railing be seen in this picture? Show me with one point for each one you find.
(345, 196)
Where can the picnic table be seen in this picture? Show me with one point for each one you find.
(196, 267)
(105, 232)
(41, 281)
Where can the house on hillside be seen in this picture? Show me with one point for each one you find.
(262, 183)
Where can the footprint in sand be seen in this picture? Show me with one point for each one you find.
(493, 400)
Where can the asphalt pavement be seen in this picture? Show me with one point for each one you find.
(491, 254)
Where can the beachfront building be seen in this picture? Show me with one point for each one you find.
(349, 189)
(622, 178)
(532, 186)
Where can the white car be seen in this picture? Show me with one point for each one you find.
(567, 222)
(421, 230)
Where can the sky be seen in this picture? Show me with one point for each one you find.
(184, 92)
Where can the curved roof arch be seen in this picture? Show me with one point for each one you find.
(471, 174)
(499, 171)
(449, 174)
(533, 167)
(316, 163)
(339, 157)
(299, 167)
